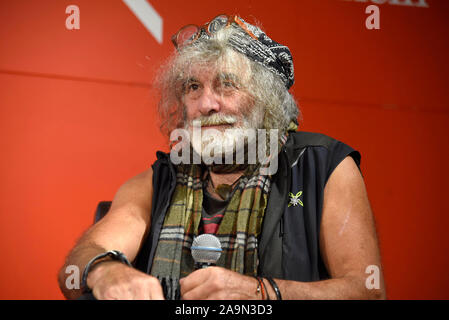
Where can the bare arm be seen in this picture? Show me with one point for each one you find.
(348, 245)
(123, 228)
(348, 242)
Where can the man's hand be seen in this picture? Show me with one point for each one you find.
(215, 283)
(114, 280)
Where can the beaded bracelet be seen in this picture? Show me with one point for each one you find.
(260, 287)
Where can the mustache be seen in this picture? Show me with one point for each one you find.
(215, 119)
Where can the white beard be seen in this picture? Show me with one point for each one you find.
(225, 145)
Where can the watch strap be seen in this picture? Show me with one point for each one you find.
(114, 254)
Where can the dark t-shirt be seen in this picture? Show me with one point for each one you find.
(213, 211)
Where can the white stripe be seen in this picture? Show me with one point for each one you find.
(173, 230)
(171, 236)
(146, 14)
(241, 240)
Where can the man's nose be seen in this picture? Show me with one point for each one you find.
(209, 102)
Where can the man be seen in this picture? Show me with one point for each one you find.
(294, 222)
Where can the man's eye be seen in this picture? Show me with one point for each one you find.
(229, 84)
(192, 87)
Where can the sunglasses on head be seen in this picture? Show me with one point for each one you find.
(190, 33)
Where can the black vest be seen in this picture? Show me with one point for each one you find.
(289, 241)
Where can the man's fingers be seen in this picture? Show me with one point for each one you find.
(156, 292)
(202, 283)
(127, 285)
(200, 292)
(157, 295)
(194, 280)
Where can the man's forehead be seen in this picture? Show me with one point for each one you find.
(230, 63)
(213, 75)
(218, 73)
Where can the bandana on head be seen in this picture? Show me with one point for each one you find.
(272, 55)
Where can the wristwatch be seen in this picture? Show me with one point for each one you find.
(114, 254)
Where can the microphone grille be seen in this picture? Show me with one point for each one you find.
(206, 248)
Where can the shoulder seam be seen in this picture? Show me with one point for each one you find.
(311, 139)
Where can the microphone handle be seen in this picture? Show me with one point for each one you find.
(202, 265)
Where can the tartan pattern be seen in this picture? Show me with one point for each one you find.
(238, 230)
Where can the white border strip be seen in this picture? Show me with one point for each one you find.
(149, 17)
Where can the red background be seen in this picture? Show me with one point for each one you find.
(78, 118)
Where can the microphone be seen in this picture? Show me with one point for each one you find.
(206, 250)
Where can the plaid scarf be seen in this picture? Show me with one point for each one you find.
(238, 230)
